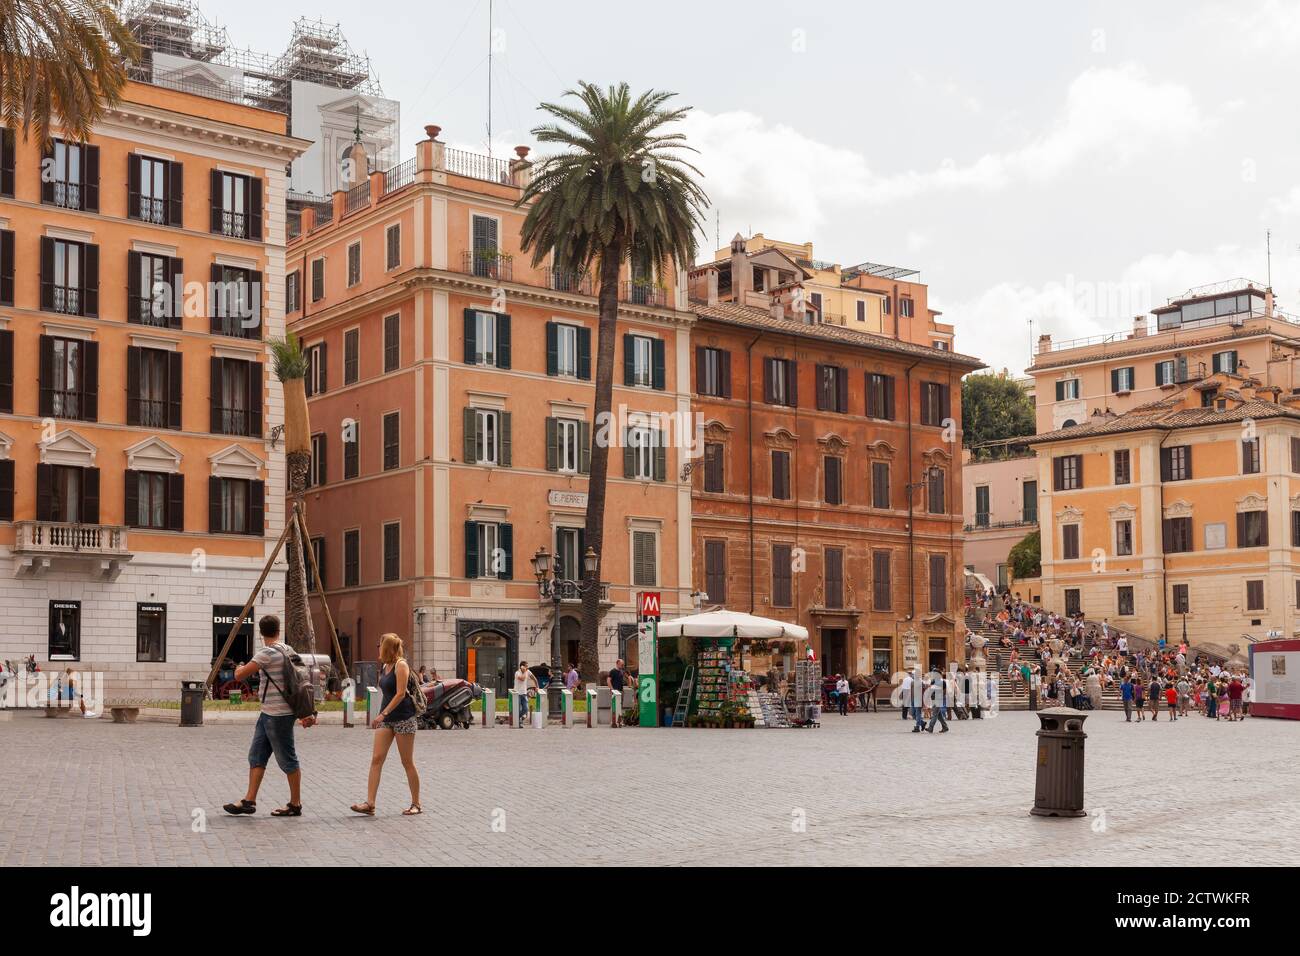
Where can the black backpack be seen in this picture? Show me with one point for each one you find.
(297, 691)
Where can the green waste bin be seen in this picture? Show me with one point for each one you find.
(192, 693)
(1058, 785)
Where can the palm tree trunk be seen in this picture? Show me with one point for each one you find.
(589, 643)
(295, 597)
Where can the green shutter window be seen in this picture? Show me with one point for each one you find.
(552, 350)
(629, 455)
(552, 445)
(584, 354)
(661, 461)
(503, 341)
(471, 337)
(657, 352)
(506, 542)
(471, 435)
(584, 448)
(504, 457)
(471, 549)
(629, 359)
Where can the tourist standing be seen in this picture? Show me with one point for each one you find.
(1236, 691)
(273, 733)
(523, 679)
(1126, 695)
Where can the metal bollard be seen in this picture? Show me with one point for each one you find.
(489, 707)
(566, 708)
(1058, 783)
(593, 717)
(514, 708)
(374, 704)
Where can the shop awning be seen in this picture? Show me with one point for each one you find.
(714, 624)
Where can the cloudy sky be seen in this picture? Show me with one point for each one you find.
(1070, 164)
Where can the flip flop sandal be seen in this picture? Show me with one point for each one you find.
(366, 809)
(288, 810)
(242, 807)
(414, 810)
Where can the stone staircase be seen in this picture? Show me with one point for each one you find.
(1014, 695)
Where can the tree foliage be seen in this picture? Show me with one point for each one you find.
(1025, 557)
(994, 407)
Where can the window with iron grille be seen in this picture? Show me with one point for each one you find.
(881, 582)
(392, 440)
(782, 576)
(154, 192)
(153, 387)
(392, 342)
(715, 571)
(351, 356)
(69, 277)
(236, 205)
(236, 299)
(236, 393)
(70, 175)
(351, 558)
(392, 551)
(1124, 600)
(69, 378)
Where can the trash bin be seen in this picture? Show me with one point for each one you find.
(192, 693)
(1058, 785)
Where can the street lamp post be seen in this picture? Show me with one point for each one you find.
(551, 586)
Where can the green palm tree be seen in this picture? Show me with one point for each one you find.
(61, 61)
(617, 192)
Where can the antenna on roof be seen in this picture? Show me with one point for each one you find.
(1268, 252)
(717, 229)
(489, 102)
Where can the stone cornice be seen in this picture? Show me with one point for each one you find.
(126, 117)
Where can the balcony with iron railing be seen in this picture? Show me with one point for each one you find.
(69, 538)
(68, 195)
(982, 522)
(151, 210)
(149, 412)
(236, 324)
(234, 224)
(65, 402)
(488, 264)
(570, 592)
(357, 198)
(67, 299)
(233, 421)
(476, 166)
(151, 311)
(401, 175)
(577, 283)
(637, 292)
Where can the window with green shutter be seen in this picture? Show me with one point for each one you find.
(644, 570)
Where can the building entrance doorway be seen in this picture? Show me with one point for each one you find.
(570, 634)
(835, 650)
(486, 661)
(938, 654)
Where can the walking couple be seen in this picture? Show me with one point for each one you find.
(274, 733)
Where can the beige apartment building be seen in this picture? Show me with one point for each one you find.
(1000, 504)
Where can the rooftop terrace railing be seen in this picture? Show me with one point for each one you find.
(477, 166)
(403, 174)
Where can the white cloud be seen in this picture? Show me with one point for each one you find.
(1271, 26)
(776, 178)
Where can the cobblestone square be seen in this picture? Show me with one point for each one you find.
(859, 790)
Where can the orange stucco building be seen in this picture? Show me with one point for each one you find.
(141, 483)
(829, 491)
(451, 401)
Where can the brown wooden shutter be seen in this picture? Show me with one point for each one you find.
(45, 404)
(792, 378)
(552, 444)
(257, 508)
(7, 163)
(132, 385)
(90, 381)
(768, 397)
(7, 490)
(6, 267)
(131, 499)
(841, 390)
(724, 369)
(175, 194)
(7, 371)
(89, 280)
(176, 299)
(47, 182)
(133, 163)
(175, 375)
(47, 272)
(255, 208)
(214, 505)
(214, 179)
(90, 178)
(134, 288)
(90, 495)
(176, 502)
(504, 457)
(700, 365)
(214, 396)
(44, 492)
(255, 384)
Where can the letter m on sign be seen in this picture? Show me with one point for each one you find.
(650, 604)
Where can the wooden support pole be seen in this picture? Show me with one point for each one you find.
(320, 589)
(252, 599)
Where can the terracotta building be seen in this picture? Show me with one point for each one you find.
(451, 393)
(829, 491)
(141, 486)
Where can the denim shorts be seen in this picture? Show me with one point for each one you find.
(273, 735)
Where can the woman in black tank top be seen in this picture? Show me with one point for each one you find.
(397, 721)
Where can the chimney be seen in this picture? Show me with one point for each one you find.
(742, 277)
(777, 308)
(712, 277)
(1044, 343)
(1139, 327)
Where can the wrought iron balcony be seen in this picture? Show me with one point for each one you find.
(557, 280)
(234, 224)
(570, 592)
(152, 210)
(487, 264)
(643, 293)
(67, 195)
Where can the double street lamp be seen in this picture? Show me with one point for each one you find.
(551, 586)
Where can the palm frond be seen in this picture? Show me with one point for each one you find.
(288, 358)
